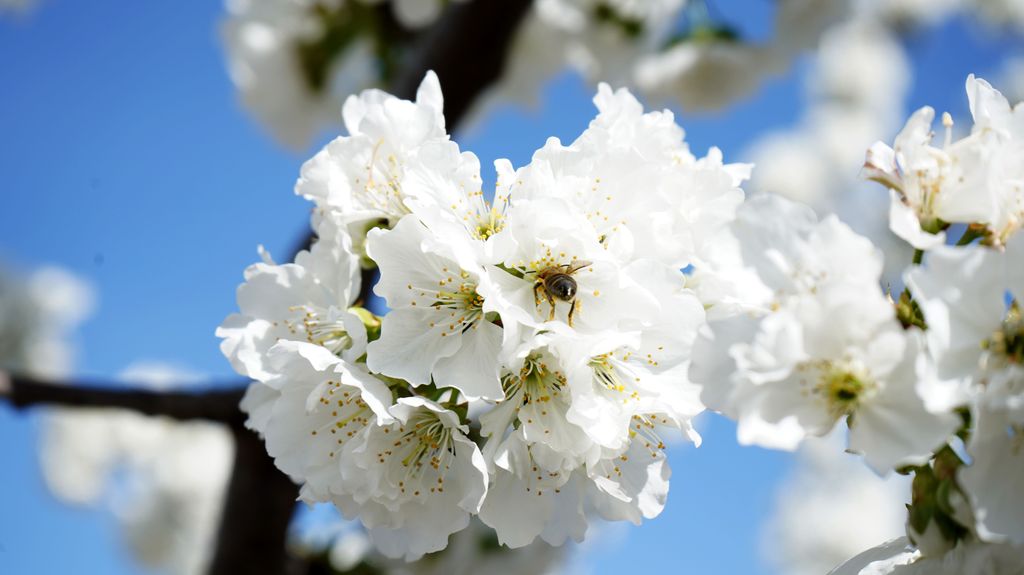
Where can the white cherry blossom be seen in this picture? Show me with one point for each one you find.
(308, 300)
(976, 179)
(837, 353)
(1001, 129)
(616, 377)
(437, 330)
(413, 480)
(926, 182)
(635, 181)
(451, 203)
(818, 343)
(548, 237)
(547, 469)
(361, 177)
(977, 338)
(777, 249)
(311, 409)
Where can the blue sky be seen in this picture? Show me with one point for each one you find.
(126, 158)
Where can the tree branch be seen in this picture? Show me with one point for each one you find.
(221, 405)
(258, 509)
(467, 49)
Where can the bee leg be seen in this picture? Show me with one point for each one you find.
(572, 310)
(536, 293)
(551, 302)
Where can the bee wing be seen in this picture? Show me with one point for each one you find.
(576, 265)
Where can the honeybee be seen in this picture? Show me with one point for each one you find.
(557, 283)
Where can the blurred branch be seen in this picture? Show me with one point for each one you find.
(260, 499)
(467, 49)
(257, 511)
(23, 391)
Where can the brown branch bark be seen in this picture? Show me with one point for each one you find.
(467, 49)
(260, 499)
(221, 405)
(258, 509)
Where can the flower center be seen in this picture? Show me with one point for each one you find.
(323, 331)
(1007, 344)
(538, 382)
(349, 414)
(842, 384)
(425, 439)
(489, 223)
(382, 188)
(842, 390)
(463, 305)
(643, 429)
(614, 375)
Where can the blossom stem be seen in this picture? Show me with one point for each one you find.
(970, 234)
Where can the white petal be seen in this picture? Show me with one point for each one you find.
(408, 347)
(994, 478)
(474, 368)
(903, 222)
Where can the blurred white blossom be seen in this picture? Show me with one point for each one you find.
(830, 508)
(705, 74)
(820, 343)
(164, 480)
(38, 317)
(263, 40)
(856, 86)
(979, 344)
(17, 7)
(898, 557)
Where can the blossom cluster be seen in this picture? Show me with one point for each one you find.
(293, 61)
(535, 344)
(929, 381)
